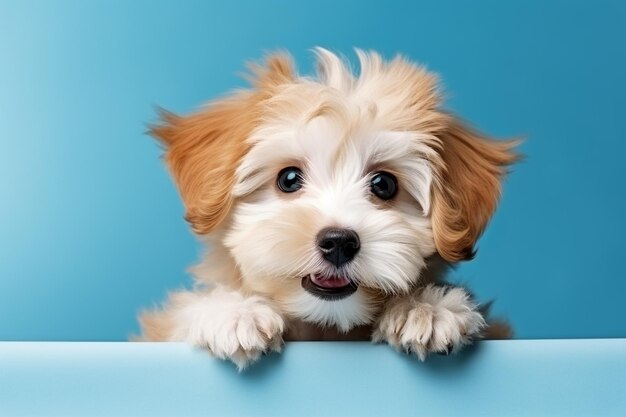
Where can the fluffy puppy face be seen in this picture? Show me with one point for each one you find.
(278, 234)
(329, 193)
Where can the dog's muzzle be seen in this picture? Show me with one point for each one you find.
(330, 288)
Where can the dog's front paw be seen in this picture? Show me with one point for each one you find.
(439, 319)
(239, 330)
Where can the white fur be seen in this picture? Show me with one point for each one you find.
(344, 314)
(437, 319)
(228, 324)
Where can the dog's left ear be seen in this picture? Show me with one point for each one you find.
(203, 150)
(467, 187)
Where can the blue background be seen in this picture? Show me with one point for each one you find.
(91, 226)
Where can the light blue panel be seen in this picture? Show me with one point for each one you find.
(91, 227)
(504, 378)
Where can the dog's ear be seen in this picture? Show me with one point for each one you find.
(203, 150)
(467, 188)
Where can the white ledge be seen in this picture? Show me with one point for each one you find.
(523, 377)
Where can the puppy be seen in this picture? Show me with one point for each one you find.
(325, 203)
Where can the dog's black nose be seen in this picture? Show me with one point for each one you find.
(338, 246)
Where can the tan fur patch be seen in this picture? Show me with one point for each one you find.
(467, 188)
(203, 150)
(157, 325)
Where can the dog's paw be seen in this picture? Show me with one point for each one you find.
(439, 319)
(238, 329)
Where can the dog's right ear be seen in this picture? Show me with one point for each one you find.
(204, 149)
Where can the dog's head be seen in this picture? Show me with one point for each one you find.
(329, 193)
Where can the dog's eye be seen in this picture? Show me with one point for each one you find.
(290, 179)
(384, 185)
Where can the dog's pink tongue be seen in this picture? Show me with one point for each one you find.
(329, 282)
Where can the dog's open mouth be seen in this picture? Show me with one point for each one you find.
(329, 287)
